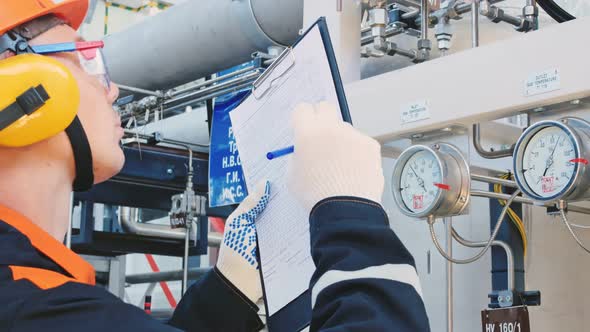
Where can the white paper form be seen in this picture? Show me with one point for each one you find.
(264, 125)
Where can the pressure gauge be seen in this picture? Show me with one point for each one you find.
(551, 161)
(431, 181)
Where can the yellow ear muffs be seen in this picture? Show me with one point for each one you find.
(39, 98)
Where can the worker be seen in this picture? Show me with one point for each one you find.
(58, 133)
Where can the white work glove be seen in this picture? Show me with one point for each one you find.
(332, 158)
(237, 259)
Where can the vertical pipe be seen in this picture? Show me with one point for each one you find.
(185, 258)
(449, 236)
(534, 18)
(425, 19)
(189, 180)
(475, 23)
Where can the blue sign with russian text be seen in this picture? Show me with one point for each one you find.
(227, 185)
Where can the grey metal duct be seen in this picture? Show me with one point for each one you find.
(199, 37)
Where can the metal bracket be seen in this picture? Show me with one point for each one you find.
(506, 298)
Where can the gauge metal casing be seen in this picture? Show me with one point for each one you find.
(454, 173)
(577, 188)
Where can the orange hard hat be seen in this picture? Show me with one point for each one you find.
(16, 12)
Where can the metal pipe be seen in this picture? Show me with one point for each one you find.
(513, 20)
(432, 220)
(208, 82)
(463, 8)
(501, 244)
(532, 15)
(497, 15)
(458, 9)
(128, 217)
(235, 81)
(213, 95)
(493, 195)
(142, 91)
(412, 14)
(578, 209)
(489, 154)
(390, 31)
(205, 37)
(450, 304)
(475, 23)
(214, 239)
(185, 258)
(524, 200)
(408, 3)
(493, 180)
(407, 53)
(165, 140)
(191, 171)
(146, 278)
(425, 19)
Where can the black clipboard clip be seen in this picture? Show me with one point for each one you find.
(257, 90)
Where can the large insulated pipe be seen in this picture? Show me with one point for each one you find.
(197, 38)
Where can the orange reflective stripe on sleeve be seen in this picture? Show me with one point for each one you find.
(43, 279)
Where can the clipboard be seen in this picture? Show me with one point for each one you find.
(296, 315)
(260, 89)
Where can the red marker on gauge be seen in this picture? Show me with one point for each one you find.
(442, 186)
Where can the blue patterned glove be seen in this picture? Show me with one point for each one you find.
(237, 256)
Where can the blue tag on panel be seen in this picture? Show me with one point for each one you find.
(227, 185)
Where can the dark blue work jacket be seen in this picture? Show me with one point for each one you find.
(365, 281)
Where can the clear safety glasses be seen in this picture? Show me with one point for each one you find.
(89, 53)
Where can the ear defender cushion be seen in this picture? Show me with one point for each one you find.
(22, 73)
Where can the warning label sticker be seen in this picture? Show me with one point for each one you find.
(547, 183)
(418, 202)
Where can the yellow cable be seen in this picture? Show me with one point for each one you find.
(516, 220)
(519, 222)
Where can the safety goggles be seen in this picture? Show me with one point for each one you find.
(89, 53)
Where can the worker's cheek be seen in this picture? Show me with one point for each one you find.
(102, 125)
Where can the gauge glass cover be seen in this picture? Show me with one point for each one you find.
(547, 163)
(418, 181)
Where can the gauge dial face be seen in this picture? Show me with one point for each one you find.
(418, 181)
(548, 161)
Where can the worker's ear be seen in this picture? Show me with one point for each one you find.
(39, 98)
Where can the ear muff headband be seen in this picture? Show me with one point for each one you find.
(82, 156)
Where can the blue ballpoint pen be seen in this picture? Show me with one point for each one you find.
(281, 152)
